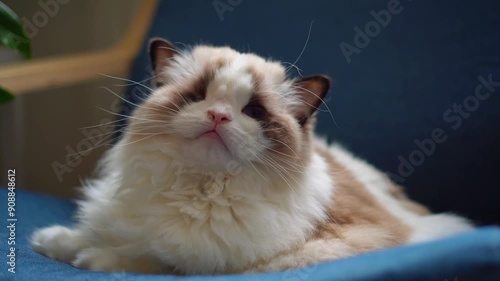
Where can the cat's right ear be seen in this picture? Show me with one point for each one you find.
(160, 53)
(311, 91)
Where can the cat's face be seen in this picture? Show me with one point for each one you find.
(214, 107)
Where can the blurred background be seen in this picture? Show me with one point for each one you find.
(37, 128)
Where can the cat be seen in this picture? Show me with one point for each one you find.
(219, 172)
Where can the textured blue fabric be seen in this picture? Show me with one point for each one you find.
(471, 256)
(393, 92)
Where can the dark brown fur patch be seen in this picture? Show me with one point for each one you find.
(290, 147)
(198, 89)
(195, 91)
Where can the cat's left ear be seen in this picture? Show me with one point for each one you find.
(311, 91)
(160, 53)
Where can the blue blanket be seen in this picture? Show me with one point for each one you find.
(470, 256)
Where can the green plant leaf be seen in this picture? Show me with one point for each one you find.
(12, 33)
(5, 95)
(15, 42)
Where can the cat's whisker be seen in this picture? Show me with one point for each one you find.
(143, 94)
(128, 80)
(81, 154)
(295, 167)
(247, 148)
(293, 151)
(303, 48)
(105, 141)
(103, 124)
(132, 82)
(140, 133)
(322, 101)
(290, 66)
(127, 116)
(255, 168)
(123, 99)
(136, 141)
(171, 49)
(284, 169)
(172, 142)
(165, 100)
(137, 105)
(269, 161)
(283, 174)
(290, 166)
(182, 96)
(284, 154)
(186, 47)
(177, 109)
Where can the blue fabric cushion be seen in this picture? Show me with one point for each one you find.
(392, 92)
(471, 256)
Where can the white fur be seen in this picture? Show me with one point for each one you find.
(186, 220)
(57, 242)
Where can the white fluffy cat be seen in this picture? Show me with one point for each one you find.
(219, 172)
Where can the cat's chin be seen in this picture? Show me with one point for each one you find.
(212, 138)
(208, 152)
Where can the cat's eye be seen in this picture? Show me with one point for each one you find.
(192, 97)
(255, 111)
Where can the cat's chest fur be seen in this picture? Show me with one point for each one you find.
(216, 222)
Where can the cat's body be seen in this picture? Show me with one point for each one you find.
(219, 172)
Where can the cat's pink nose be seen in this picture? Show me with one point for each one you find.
(218, 117)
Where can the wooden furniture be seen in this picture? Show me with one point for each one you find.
(65, 70)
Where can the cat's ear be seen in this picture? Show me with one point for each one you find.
(311, 90)
(160, 52)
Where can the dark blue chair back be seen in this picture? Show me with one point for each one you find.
(417, 83)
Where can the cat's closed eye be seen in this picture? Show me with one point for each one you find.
(193, 97)
(254, 110)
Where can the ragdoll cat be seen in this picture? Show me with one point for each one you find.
(219, 172)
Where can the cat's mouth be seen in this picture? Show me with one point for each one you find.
(214, 135)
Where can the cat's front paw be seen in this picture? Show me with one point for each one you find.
(97, 259)
(103, 259)
(57, 242)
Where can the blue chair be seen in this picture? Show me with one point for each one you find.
(416, 94)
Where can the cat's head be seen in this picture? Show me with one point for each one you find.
(213, 106)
